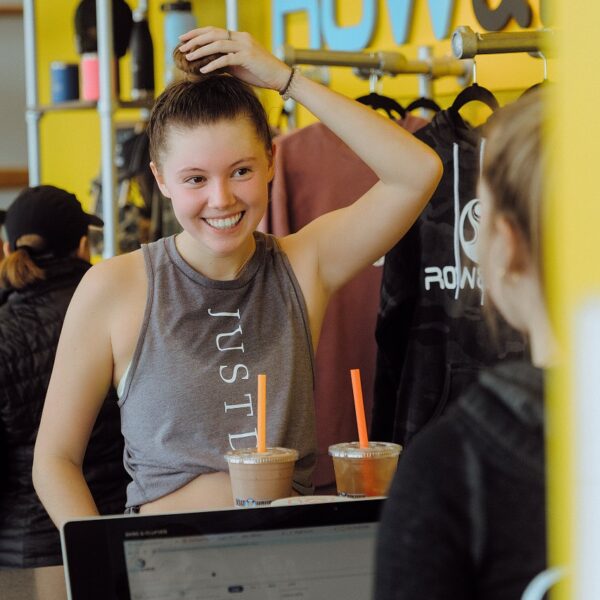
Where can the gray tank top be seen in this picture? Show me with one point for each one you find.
(190, 394)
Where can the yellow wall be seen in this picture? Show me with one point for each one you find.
(574, 275)
(70, 141)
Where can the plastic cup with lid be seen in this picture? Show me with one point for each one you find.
(258, 478)
(368, 471)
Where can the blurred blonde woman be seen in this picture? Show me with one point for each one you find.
(466, 513)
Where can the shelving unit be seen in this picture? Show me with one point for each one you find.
(88, 104)
(106, 108)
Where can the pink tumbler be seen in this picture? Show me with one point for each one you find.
(90, 76)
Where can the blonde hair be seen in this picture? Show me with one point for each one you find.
(513, 168)
(18, 269)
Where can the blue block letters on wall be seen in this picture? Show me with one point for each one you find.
(355, 37)
(400, 14)
(281, 8)
(323, 20)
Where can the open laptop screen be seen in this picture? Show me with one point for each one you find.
(316, 551)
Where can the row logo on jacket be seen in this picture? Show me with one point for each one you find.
(464, 273)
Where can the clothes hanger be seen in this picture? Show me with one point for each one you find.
(376, 101)
(474, 93)
(393, 109)
(422, 102)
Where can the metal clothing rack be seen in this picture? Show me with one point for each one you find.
(467, 43)
(369, 64)
(426, 66)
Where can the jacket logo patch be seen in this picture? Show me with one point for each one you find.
(469, 232)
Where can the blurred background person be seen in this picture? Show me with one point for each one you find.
(466, 515)
(46, 253)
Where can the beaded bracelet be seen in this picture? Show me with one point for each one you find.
(285, 92)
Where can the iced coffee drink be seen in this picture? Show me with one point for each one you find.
(361, 472)
(258, 478)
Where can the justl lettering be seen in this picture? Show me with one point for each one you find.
(233, 372)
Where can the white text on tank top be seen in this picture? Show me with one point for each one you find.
(238, 371)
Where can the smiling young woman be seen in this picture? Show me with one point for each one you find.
(184, 325)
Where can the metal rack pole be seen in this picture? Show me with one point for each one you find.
(106, 109)
(32, 113)
(391, 63)
(232, 15)
(446, 66)
(466, 43)
(425, 53)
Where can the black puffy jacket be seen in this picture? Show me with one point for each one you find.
(30, 323)
(466, 512)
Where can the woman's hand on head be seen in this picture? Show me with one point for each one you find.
(241, 55)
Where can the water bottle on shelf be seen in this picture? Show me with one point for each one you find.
(178, 19)
(142, 56)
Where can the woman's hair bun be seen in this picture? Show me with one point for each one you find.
(192, 67)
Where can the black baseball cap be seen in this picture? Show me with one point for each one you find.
(52, 213)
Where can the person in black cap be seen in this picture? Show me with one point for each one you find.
(46, 255)
(55, 217)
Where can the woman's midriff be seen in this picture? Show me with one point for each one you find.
(205, 492)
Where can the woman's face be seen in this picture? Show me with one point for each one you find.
(217, 178)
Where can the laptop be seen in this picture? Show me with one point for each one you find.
(313, 551)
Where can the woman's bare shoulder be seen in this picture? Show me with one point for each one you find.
(114, 278)
(117, 268)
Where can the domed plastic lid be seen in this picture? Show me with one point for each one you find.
(375, 450)
(250, 456)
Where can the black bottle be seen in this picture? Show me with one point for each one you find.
(142, 57)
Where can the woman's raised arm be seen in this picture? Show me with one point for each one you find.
(344, 241)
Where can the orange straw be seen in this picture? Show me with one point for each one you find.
(359, 407)
(363, 439)
(262, 413)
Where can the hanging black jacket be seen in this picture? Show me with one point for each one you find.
(30, 323)
(431, 333)
(465, 517)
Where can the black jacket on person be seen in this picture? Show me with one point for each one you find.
(431, 333)
(465, 517)
(30, 323)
